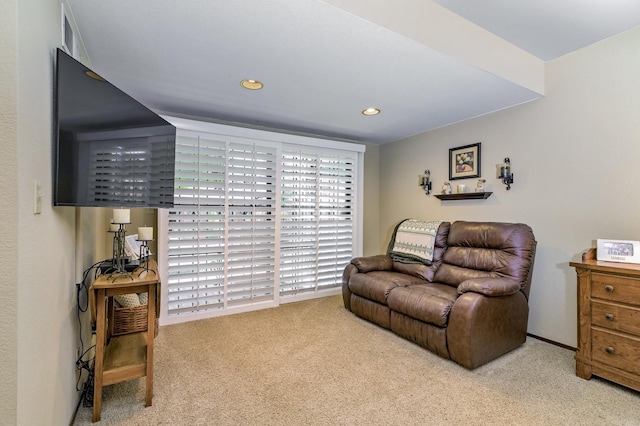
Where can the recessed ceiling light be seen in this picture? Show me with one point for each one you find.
(371, 111)
(251, 84)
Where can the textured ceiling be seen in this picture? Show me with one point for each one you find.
(322, 63)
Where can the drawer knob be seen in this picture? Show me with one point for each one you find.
(609, 317)
(609, 350)
(608, 288)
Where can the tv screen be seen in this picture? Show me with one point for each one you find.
(110, 150)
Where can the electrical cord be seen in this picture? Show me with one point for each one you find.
(82, 306)
(82, 364)
(87, 388)
(87, 392)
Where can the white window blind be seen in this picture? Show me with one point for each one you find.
(251, 228)
(317, 223)
(222, 229)
(196, 228)
(256, 222)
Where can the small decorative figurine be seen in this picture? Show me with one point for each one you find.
(480, 185)
(446, 188)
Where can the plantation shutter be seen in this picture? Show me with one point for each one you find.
(259, 219)
(222, 228)
(252, 223)
(196, 236)
(317, 224)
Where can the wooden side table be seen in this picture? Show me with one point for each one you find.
(129, 356)
(608, 320)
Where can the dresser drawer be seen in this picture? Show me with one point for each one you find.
(616, 317)
(616, 350)
(615, 288)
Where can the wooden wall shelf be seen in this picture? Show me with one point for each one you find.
(464, 196)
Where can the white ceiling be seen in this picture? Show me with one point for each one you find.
(322, 63)
(550, 28)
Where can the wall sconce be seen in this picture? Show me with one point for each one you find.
(504, 173)
(425, 181)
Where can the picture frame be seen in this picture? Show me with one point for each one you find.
(464, 162)
(626, 251)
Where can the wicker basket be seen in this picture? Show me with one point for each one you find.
(131, 320)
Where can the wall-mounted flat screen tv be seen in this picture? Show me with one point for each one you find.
(110, 150)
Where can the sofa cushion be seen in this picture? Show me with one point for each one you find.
(491, 287)
(377, 285)
(453, 275)
(487, 250)
(430, 303)
(419, 270)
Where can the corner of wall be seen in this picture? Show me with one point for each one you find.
(371, 226)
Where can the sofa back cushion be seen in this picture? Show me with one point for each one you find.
(427, 272)
(488, 249)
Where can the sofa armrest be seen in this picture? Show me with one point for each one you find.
(349, 270)
(482, 328)
(380, 262)
(492, 287)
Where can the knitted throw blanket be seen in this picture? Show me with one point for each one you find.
(413, 241)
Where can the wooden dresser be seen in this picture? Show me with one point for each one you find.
(608, 320)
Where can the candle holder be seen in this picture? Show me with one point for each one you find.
(119, 258)
(144, 255)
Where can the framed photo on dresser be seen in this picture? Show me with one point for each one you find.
(618, 251)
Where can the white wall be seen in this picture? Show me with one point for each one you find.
(43, 269)
(575, 158)
(8, 213)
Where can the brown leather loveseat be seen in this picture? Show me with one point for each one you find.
(469, 305)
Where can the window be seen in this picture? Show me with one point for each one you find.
(259, 219)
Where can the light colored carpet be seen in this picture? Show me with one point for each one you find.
(314, 363)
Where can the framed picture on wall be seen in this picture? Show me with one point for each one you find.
(464, 162)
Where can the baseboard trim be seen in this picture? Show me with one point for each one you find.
(562, 345)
